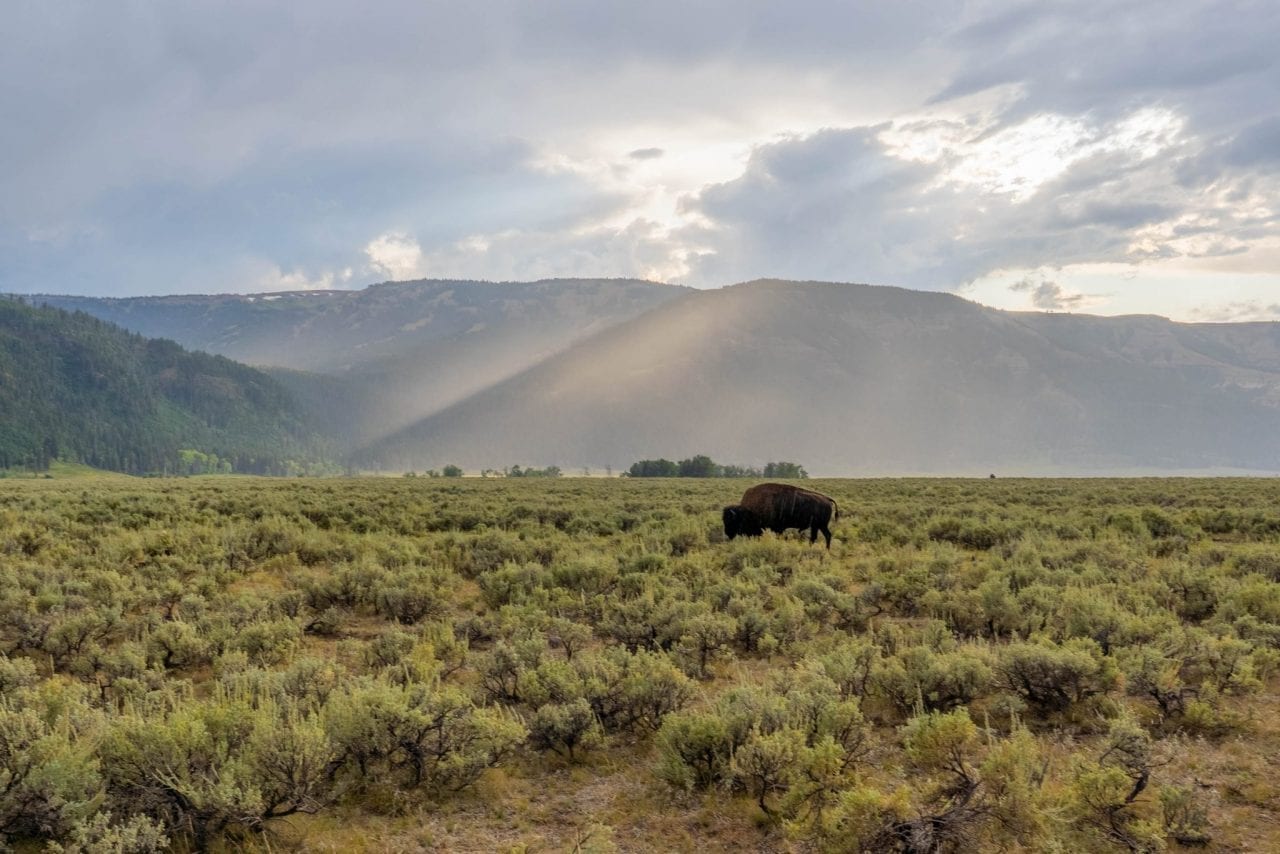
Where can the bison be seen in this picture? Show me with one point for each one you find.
(777, 507)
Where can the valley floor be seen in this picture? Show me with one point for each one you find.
(586, 664)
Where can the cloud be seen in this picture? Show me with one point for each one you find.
(1236, 312)
(1098, 56)
(862, 204)
(180, 148)
(396, 255)
(832, 205)
(1256, 145)
(638, 249)
(1051, 296)
(275, 279)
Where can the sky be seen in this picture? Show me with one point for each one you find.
(1108, 156)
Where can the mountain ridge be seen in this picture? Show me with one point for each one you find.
(311, 330)
(1054, 384)
(845, 378)
(394, 352)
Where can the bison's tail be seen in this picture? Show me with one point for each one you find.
(835, 511)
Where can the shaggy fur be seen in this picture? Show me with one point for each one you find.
(777, 507)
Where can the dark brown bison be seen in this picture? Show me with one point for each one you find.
(777, 507)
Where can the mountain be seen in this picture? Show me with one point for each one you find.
(393, 353)
(855, 379)
(79, 388)
(381, 325)
(846, 379)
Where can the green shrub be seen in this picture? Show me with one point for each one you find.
(1054, 678)
(569, 726)
(207, 767)
(103, 834)
(850, 666)
(389, 648)
(412, 596)
(16, 674)
(705, 636)
(418, 736)
(1186, 817)
(632, 691)
(48, 780)
(269, 641)
(968, 533)
(695, 749)
(918, 677)
(767, 765)
(506, 669)
(1104, 796)
(1151, 673)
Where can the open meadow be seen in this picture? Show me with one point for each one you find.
(413, 664)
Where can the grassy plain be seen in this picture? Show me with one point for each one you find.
(587, 665)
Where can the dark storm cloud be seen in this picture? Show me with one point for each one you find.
(1256, 145)
(1075, 56)
(302, 210)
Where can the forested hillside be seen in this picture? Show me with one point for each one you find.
(393, 353)
(75, 387)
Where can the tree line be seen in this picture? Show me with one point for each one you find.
(703, 466)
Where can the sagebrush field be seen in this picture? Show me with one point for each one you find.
(587, 665)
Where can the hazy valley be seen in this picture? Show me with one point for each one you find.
(848, 379)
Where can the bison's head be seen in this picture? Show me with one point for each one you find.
(732, 521)
(739, 521)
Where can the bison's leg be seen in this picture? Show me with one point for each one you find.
(826, 532)
(813, 534)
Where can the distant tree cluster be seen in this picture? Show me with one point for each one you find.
(530, 471)
(448, 471)
(191, 461)
(784, 470)
(654, 468)
(703, 466)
